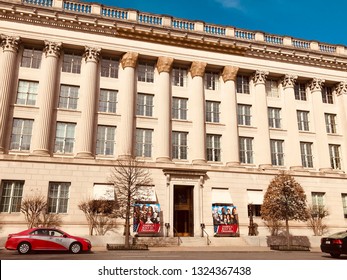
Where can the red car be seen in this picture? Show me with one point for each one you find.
(46, 239)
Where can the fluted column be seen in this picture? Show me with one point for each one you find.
(9, 49)
(88, 92)
(46, 94)
(197, 113)
(292, 147)
(230, 144)
(319, 124)
(127, 105)
(262, 142)
(164, 65)
(341, 91)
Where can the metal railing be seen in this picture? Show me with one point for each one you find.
(179, 240)
(207, 236)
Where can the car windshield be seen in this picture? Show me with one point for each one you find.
(342, 234)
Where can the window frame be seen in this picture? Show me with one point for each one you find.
(145, 72)
(242, 84)
(109, 67)
(300, 91)
(72, 63)
(54, 202)
(211, 80)
(64, 139)
(11, 203)
(108, 101)
(106, 144)
(179, 76)
(274, 115)
(143, 147)
(22, 145)
(212, 112)
(179, 145)
(181, 112)
(33, 56)
(306, 154)
(271, 87)
(327, 95)
(335, 156)
(303, 120)
(213, 147)
(244, 115)
(144, 104)
(277, 152)
(330, 123)
(71, 98)
(28, 89)
(246, 150)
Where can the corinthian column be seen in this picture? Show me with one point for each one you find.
(46, 93)
(164, 109)
(292, 148)
(262, 142)
(85, 136)
(230, 145)
(341, 91)
(9, 50)
(127, 105)
(197, 109)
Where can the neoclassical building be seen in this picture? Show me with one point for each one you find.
(215, 112)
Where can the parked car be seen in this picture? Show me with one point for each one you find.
(335, 244)
(46, 239)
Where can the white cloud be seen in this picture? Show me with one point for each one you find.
(230, 3)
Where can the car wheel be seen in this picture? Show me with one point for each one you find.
(335, 255)
(75, 248)
(24, 248)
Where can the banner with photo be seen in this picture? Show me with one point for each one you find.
(225, 220)
(146, 218)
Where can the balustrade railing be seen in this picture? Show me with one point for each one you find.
(46, 3)
(244, 34)
(145, 18)
(300, 44)
(327, 48)
(273, 39)
(215, 30)
(182, 24)
(114, 13)
(77, 7)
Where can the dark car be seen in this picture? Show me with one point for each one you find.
(335, 244)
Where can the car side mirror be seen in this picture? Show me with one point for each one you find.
(64, 235)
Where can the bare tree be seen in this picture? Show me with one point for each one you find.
(127, 177)
(316, 215)
(274, 226)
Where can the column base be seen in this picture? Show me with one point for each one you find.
(233, 163)
(84, 155)
(199, 161)
(41, 153)
(163, 159)
(296, 168)
(265, 166)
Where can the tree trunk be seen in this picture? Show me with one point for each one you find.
(127, 232)
(288, 237)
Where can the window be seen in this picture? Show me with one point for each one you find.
(254, 209)
(212, 111)
(255, 201)
(108, 101)
(103, 192)
(109, 67)
(344, 204)
(300, 91)
(317, 199)
(145, 72)
(58, 197)
(327, 95)
(242, 83)
(211, 80)
(335, 159)
(11, 196)
(330, 122)
(271, 87)
(65, 137)
(105, 140)
(306, 154)
(72, 63)
(277, 155)
(274, 115)
(144, 142)
(27, 93)
(179, 145)
(21, 134)
(144, 105)
(244, 114)
(179, 108)
(179, 77)
(303, 123)
(213, 147)
(246, 150)
(68, 97)
(31, 58)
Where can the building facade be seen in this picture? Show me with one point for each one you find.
(214, 112)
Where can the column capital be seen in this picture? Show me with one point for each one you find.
(52, 49)
(92, 54)
(289, 80)
(10, 43)
(229, 73)
(129, 59)
(164, 64)
(197, 69)
(259, 77)
(341, 88)
(316, 84)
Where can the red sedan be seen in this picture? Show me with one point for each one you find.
(46, 239)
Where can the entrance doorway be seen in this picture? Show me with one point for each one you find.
(183, 211)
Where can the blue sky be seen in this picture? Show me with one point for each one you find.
(318, 20)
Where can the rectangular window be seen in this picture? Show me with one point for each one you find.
(244, 114)
(300, 91)
(109, 67)
(144, 105)
(271, 87)
(344, 204)
(145, 72)
(274, 115)
(144, 142)
(72, 63)
(306, 154)
(31, 58)
(317, 199)
(108, 101)
(64, 138)
(179, 108)
(211, 80)
(179, 77)
(246, 150)
(68, 97)
(179, 145)
(330, 122)
(213, 147)
(212, 111)
(105, 140)
(21, 134)
(242, 84)
(27, 92)
(303, 123)
(58, 197)
(11, 196)
(327, 95)
(277, 155)
(335, 157)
